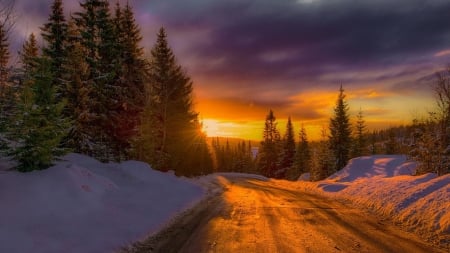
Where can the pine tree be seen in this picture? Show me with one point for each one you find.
(171, 130)
(269, 151)
(79, 138)
(39, 124)
(322, 159)
(302, 159)
(340, 132)
(359, 144)
(288, 151)
(55, 35)
(98, 39)
(28, 55)
(131, 76)
(10, 102)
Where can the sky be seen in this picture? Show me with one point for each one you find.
(247, 57)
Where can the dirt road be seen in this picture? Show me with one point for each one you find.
(259, 216)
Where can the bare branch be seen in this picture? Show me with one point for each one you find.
(7, 18)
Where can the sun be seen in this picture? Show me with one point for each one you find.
(211, 127)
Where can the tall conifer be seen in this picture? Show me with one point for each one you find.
(131, 74)
(269, 152)
(359, 145)
(54, 33)
(171, 129)
(340, 132)
(97, 37)
(79, 138)
(288, 151)
(39, 126)
(302, 161)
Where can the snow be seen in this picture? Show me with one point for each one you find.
(82, 205)
(385, 185)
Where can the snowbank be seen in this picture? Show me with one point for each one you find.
(385, 185)
(82, 205)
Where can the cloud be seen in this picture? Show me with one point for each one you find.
(247, 56)
(442, 53)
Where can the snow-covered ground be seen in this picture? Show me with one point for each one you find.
(82, 205)
(384, 184)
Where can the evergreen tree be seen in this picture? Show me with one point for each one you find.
(79, 138)
(340, 132)
(98, 39)
(171, 130)
(55, 35)
(302, 160)
(28, 55)
(131, 76)
(39, 125)
(269, 151)
(10, 103)
(288, 151)
(359, 144)
(322, 159)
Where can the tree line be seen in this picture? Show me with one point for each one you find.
(425, 141)
(283, 158)
(89, 89)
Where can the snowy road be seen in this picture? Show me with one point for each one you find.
(259, 216)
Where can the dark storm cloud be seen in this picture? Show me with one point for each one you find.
(287, 43)
(300, 40)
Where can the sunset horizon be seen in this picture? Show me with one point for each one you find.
(380, 112)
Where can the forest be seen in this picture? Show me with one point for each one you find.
(91, 90)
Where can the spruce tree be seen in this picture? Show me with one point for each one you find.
(132, 73)
(359, 144)
(322, 159)
(288, 151)
(98, 39)
(79, 138)
(55, 35)
(14, 89)
(269, 152)
(171, 130)
(302, 159)
(340, 132)
(39, 126)
(28, 55)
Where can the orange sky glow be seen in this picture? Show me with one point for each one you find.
(243, 119)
